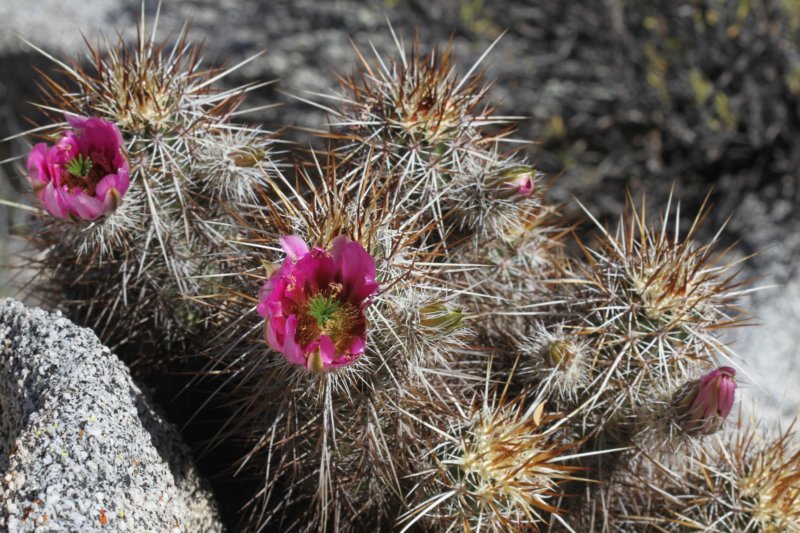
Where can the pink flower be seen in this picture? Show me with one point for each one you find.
(85, 175)
(314, 304)
(708, 401)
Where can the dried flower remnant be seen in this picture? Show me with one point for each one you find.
(85, 175)
(314, 305)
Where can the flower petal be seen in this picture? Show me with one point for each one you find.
(37, 165)
(84, 206)
(294, 246)
(291, 350)
(356, 269)
(327, 350)
(50, 197)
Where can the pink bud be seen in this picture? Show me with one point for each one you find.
(524, 184)
(705, 403)
(518, 182)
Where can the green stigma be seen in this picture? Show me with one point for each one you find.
(79, 166)
(323, 308)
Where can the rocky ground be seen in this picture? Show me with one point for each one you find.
(702, 95)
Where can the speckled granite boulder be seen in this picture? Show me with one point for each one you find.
(81, 448)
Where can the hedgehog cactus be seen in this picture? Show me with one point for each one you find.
(352, 323)
(157, 172)
(746, 481)
(498, 465)
(414, 117)
(397, 334)
(652, 303)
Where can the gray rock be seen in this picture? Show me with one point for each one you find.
(56, 25)
(81, 447)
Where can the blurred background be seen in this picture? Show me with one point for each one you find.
(617, 95)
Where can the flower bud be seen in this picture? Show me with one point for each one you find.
(246, 157)
(440, 317)
(703, 404)
(517, 182)
(559, 351)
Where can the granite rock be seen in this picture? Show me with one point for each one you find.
(81, 447)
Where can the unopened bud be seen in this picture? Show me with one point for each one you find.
(440, 317)
(517, 182)
(703, 404)
(246, 157)
(559, 351)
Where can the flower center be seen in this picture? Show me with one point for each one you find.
(79, 166)
(323, 309)
(326, 314)
(85, 172)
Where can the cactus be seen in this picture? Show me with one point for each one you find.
(396, 331)
(746, 481)
(129, 272)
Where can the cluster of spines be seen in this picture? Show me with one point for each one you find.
(747, 480)
(653, 302)
(334, 435)
(490, 462)
(414, 117)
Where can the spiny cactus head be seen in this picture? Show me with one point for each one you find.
(128, 172)
(746, 481)
(557, 360)
(413, 99)
(490, 194)
(414, 116)
(667, 282)
(768, 479)
(497, 465)
(655, 303)
(164, 102)
(146, 88)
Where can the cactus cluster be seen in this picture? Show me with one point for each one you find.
(126, 268)
(398, 329)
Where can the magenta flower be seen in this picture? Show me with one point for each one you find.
(85, 175)
(708, 401)
(314, 304)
